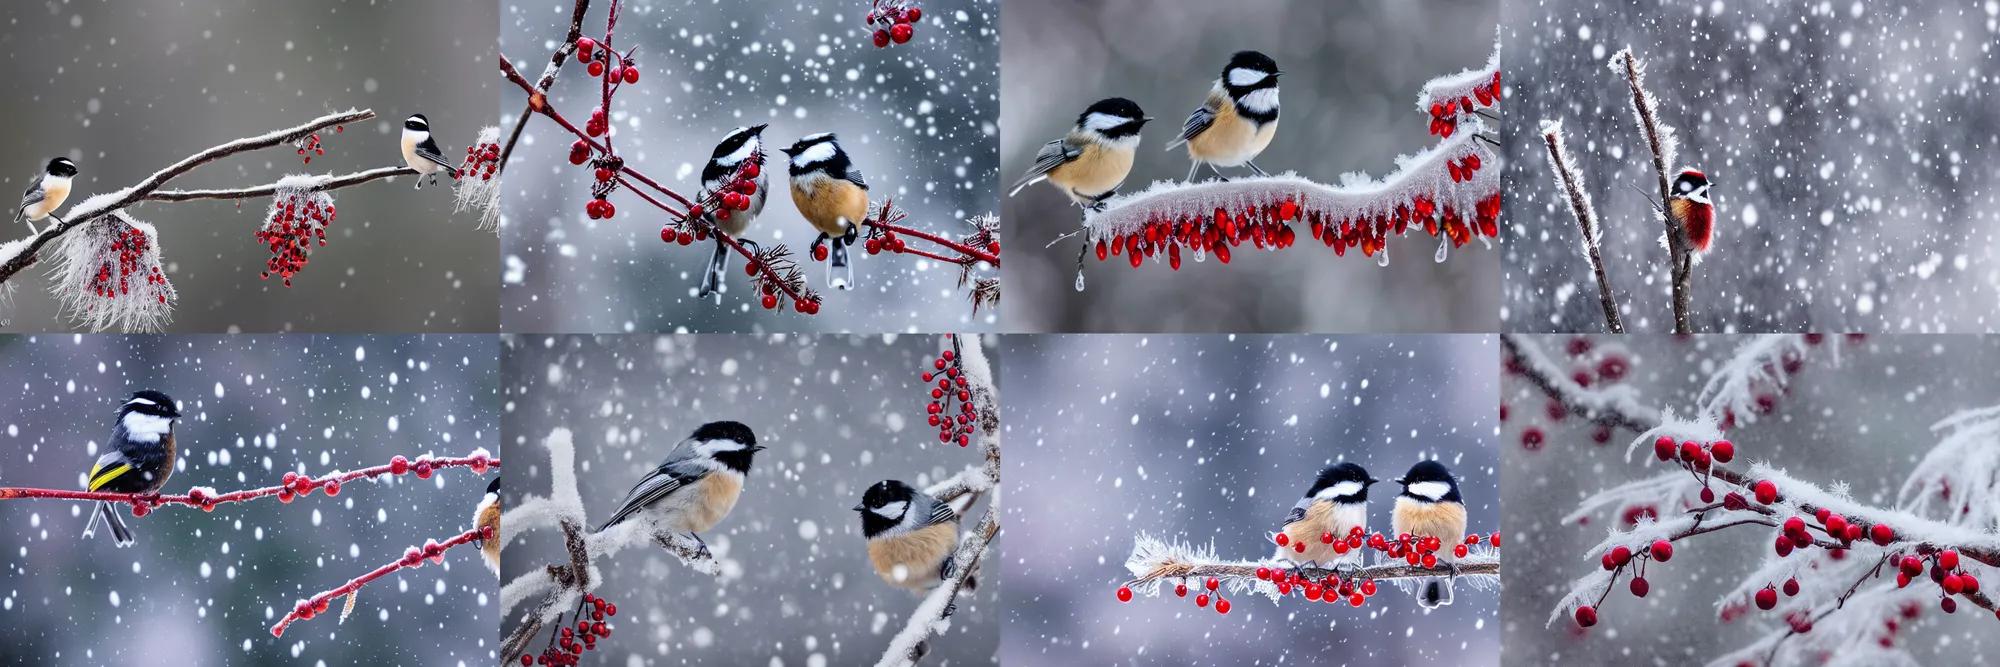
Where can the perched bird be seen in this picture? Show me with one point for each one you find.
(46, 193)
(832, 196)
(1091, 161)
(697, 484)
(1431, 507)
(1336, 504)
(1239, 118)
(420, 151)
(911, 534)
(1690, 205)
(140, 457)
(743, 145)
(487, 513)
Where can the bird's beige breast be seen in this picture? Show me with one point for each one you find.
(911, 560)
(1098, 170)
(718, 492)
(53, 195)
(1231, 139)
(830, 204)
(489, 515)
(1321, 518)
(1445, 521)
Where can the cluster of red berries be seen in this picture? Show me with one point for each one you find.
(579, 152)
(1697, 455)
(734, 196)
(1589, 366)
(481, 160)
(1331, 589)
(1944, 571)
(1411, 549)
(899, 22)
(1264, 226)
(113, 279)
(1213, 585)
(1620, 557)
(1444, 115)
(309, 146)
(601, 63)
(300, 219)
(950, 407)
(568, 643)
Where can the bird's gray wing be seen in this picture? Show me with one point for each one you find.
(1197, 123)
(678, 470)
(429, 150)
(1298, 511)
(930, 511)
(33, 196)
(853, 175)
(1053, 154)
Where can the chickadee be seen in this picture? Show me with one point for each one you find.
(1091, 161)
(421, 152)
(487, 513)
(1430, 507)
(832, 196)
(911, 534)
(46, 193)
(744, 144)
(1239, 118)
(140, 460)
(1337, 503)
(1690, 205)
(697, 484)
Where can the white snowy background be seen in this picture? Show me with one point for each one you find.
(838, 414)
(205, 588)
(1865, 422)
(1212, 438)
(1352, 74)
(127, 88)
(1849, 144)
(919, 120)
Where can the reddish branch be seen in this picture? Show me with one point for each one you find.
(432, 550)
(562, 55)
(294, 486)
(886, 221)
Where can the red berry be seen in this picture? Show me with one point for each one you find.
(1213, 583)
(1664, 448)
(1952, 584)
(1948, 559)
(1621, 555)
(916, 14)
(1723, 451)
(1767, 492)
(631, 75)
(1124, 594)
(1282, 539)
(1913, 566)
(1791, 588)
(584, 45)
(1222, 606)
(1326, 538)
(1767, 599)
(596, 68)
(1836, 526)
(1180, 589)
(1663, 551)
(1690, 451)
(1784, 546)
(1640, 587)
(1264, 573)
(900, 32)
(1586, 616)
(881, 38)
(1949, 605)
(1201, 600)
(1882, 534)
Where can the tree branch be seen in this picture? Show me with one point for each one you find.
(432, 550)
(1586, 218)
(319, 185)
(294, 486)
(1660, 141)
(100, 205)
(1616, 408)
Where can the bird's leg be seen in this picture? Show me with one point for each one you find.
(1256, 169)
(1192, 168)
(1218, 172)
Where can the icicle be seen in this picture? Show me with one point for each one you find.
(1382, 256)
(1444, 249)
(1200, 254)
(1079, 279)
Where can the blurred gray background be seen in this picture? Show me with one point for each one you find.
(205, 588)
(1352, 74)
(918, 119)
(1211, 439)
(1849, 145)
(1864, 421)
(127, 88)
(838, 414)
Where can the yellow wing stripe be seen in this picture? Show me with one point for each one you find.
(97, 480)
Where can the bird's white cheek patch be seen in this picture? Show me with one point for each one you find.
(1338, 490)
(814, 154)
(1244, 76)
(1431, 490)
(147, 427)
(1099, 122)
(891, 511)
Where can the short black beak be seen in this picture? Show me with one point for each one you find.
(758, 448)
(1405, 481)
(1371, 482)
(1278, 73)
(788, 151)
(860, 508)
(759, 129)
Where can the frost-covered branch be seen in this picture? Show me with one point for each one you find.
(432, 550)
(302, 182)
(563, 585)
(1613, 405)
(292, 486)
(100, 205)
(930, 614)
(1155, 562)
(1660, 140)
(1571, 185)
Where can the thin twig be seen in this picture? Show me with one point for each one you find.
(1680, 249)
(1586, 218)
(331, 183)
(415, 557)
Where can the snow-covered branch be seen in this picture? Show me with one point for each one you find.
(432, 550)
(1155, 562)
(984, 395)
(296, 181)
(1612, 405)
(563, 585)
(1571, 186)
(1661, 142)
